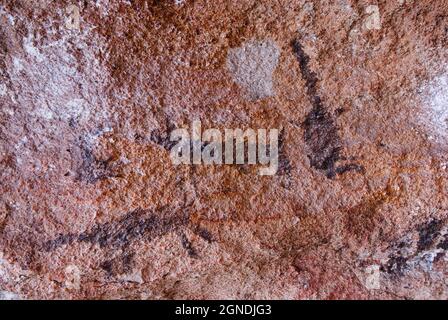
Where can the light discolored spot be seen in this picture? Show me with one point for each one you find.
(373, 20)
(252, 66)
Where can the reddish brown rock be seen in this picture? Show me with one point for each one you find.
(92, 207)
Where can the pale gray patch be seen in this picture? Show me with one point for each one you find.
(6, 295)
(435, 100)
(3, 89)
(252, 66)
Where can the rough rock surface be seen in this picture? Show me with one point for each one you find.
(91, 205)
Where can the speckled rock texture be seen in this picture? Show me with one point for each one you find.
(91, 206)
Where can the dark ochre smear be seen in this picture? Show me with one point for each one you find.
(321, 132)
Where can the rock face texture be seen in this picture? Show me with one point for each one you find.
(92, 207)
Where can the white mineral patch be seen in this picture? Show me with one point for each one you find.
(72, 277)
(252, 66)
(402, 2)
(435, 104)
(18, 66)
(135, 277)
(3, 89)
(45, 113)
(6, 295)
(7, 15)
(373, 20)
(103, 6)
(31, 50)
(77, 109)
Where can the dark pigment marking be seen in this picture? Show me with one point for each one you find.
(93, 169)
(396, 266)
(138, 224)
(284, 165)
(120, 265)
(186, 244)
(6, 218)
(439, 257)
(3, 54)
(444, 243)
(204, 234)
(321, 132)
(428, 233)
(72, 123)
(350, 167)
(162, 139)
